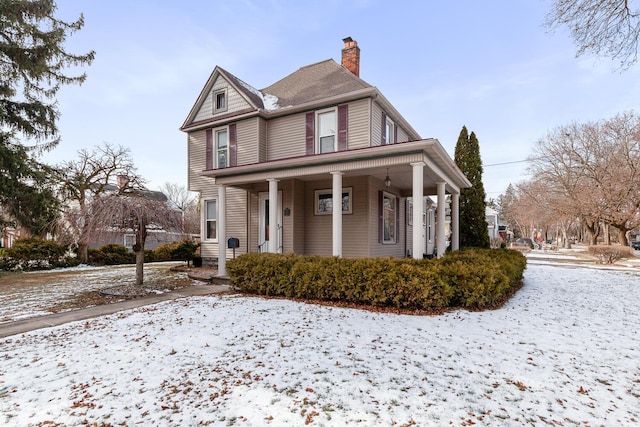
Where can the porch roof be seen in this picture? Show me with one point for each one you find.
(393, 160)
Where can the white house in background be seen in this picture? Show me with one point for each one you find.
(493, 222)
(270, 163)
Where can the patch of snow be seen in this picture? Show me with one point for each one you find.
(563, 351)
(269, 101)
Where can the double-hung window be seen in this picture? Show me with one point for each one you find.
(327, 131)
(220, 101)
(222, 149)
(389, 132)
(211, 219)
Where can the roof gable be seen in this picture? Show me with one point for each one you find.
(241, 97)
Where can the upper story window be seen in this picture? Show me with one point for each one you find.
(222, 148)
(327, 131)
(389, 131)
(220, 100)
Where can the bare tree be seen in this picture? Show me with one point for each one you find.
(187, 201)
(137, 211)
(92, 175)
(594, 167)
(606, 28)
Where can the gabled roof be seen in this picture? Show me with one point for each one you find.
(307, 88)
(315, 82)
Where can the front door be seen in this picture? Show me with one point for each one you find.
(264, 221)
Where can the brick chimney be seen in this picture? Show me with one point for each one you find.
(351, 56)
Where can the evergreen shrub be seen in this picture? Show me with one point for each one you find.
(35, 253)
(474, 278)
(111, 254)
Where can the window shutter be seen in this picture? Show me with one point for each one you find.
(233, 145)
(310, 136)
(384, 129)
(209, 149)
(395, 134)
(380, 217)
(343, 116)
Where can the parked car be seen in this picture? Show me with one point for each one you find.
(635, 245)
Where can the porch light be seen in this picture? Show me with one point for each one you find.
(387, 180)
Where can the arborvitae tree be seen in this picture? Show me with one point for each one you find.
(32, 65)
(474, 230)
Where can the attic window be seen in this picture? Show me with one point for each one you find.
(220, 100)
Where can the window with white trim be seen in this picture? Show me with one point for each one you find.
(220, 101)
(222, 148)
(389, 215)
(324, 201)
(327, 126)
(389, 132)
(211, 219)
(129, 240)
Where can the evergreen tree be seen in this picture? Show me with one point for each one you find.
(474, 230)
(32, 65)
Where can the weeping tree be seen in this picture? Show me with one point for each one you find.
(474, 231)
(137, 211)
(33, 64)
(93, 174)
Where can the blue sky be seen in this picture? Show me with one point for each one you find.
(489, 65)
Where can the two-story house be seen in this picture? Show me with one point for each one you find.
(270, 163)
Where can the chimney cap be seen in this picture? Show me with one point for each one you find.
(347, 39)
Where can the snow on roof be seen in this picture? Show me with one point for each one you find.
(270, 102)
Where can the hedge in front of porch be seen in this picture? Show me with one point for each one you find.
(474, 278)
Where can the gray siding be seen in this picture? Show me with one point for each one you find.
(262, 140)
(376, 124)
(286, 137)
(248, 142)
(196, 159)
(318, 228)
(237, 200)
(378, 249)
(235, 101)
(359, 124)
(402, 135)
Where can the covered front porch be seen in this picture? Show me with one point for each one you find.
(371, 183)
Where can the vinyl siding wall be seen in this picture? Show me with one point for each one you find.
(235, 101)
(358, 124)
(237, 200)
(248, 150)
(286, 137)
(318, 228)
(376, 124)
(196, 159)
(378, 249)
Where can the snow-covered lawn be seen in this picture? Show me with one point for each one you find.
(564, 351)
(34, 293)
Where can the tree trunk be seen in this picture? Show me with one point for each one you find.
(140, 266)
(83, 252)
(607, 235)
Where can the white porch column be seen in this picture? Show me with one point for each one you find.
(455, 221)
(418, 209)
(273, 216)
(441, 209)
(337, 213)
(222, 230)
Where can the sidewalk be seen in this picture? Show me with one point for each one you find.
(39, 322)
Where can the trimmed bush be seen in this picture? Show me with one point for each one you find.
(163, 252)
(608, 254)
(111, 254)
(472, 278)
(34, 253)
(185, 251)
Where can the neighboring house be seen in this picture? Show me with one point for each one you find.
(269, 163)
(493, 222)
